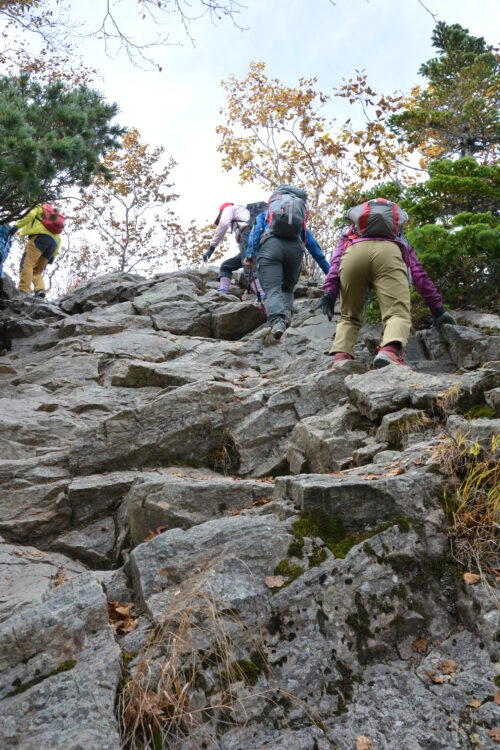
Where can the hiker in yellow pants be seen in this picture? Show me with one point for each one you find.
(42, 226)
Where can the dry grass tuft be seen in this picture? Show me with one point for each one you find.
(474, 504)
(199, 648)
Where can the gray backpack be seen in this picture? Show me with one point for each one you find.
(378, 218)
(287, 213)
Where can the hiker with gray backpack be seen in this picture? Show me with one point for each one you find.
(276, 245)
(375, 251)
(239, 220)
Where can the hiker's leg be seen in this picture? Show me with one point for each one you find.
(354, 270)
(242, 244)
(39, 268)
(292, 264)
(270, 268)
(389, 276)
(31, 257)
(226, 271)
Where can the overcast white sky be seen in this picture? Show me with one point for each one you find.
(179, 107)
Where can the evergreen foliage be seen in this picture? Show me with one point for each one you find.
(50, 138)
(456, 232)
(458, 113)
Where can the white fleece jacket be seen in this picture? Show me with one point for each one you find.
(233, 218)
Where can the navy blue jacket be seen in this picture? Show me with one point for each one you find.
(312, 246)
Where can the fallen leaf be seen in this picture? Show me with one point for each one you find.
(433, 677)
(364, 743)
(495, 734)
(162, 572)
(448, 666)
(420, 645)
(474, 703)
(151, 534)
(471, 578)
(496, 699)
(60, 577)
(120, 617)
(274, 582)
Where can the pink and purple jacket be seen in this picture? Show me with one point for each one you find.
(417, 273)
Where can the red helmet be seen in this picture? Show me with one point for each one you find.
(221, 209)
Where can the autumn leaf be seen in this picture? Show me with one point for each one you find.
(437, 679)
(495, 734)
(60, 577)
(364, 743)
(471, 578)
(448, 666)
(474, 703)
(496, 699)
(120, 617)
(152, 533)
(275, 582)
(420, 645)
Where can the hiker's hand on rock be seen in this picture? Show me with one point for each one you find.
(208, 253)
(441, 316)
(327, 305)
(248, 262)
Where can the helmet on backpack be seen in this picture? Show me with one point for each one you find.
(221, 209)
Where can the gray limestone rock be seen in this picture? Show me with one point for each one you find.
(230, 558)
(480, 430)
(106, 289)
(327, 442)
(492, 399)
(60, 668)
(375, 395)
(187, 497)
(235, 320)
(27, 573)
(94, 543)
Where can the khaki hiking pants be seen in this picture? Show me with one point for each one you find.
(33, 266)
(381, 264)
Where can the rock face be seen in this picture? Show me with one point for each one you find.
(267, 536)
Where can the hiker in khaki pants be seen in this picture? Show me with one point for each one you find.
(380, 264)
(43, 226)
(375, 251)
(34, 264)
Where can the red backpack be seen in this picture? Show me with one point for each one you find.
(52, 219)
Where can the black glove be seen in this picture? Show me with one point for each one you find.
(327, 305)
(208, 254)
(12, 231)
(440, 316)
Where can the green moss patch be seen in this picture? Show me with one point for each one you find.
(288, 571)
(332, 532)
(65, 666)
(481, 412)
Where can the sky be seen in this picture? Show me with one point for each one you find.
(179, 107)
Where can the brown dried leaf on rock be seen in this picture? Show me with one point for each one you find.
(151, 534)
(61, 577)
(471, 578)
(496, 699)
(364, 743)
(495, 734)
(420, 645)
(120, 617)
(274, 582)
(474, 703)
(448, 666)
(433, 677)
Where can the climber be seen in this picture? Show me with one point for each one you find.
(239, 219)
(276, 245)
(43, 226)
(375, 251)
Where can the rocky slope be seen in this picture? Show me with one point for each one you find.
(277, 525)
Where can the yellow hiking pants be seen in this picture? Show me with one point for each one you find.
(380, 263)
(33, 267)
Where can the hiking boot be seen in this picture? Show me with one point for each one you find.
(340, 357)
(387, 355)
(278, 329)
(40, 294)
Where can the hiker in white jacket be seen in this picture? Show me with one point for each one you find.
(237, 219)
